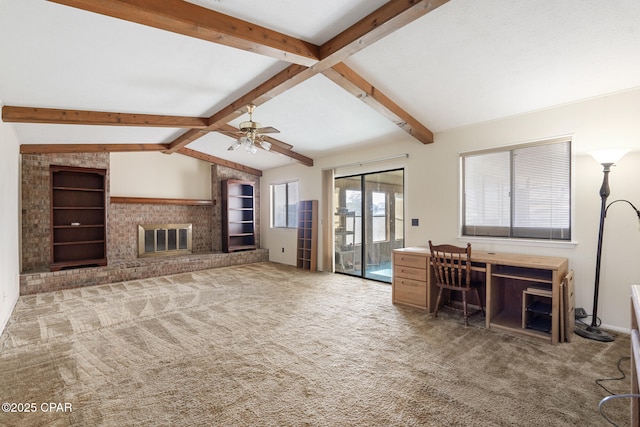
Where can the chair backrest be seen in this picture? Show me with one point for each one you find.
(451, 265)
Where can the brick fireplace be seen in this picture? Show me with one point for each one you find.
(123, 219)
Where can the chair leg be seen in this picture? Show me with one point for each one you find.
(464, 308)
(435, 313)
(480, 302)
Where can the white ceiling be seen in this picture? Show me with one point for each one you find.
(466, 62)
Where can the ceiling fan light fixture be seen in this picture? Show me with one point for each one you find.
(234, 146)
(249, 126)
(251, 148)
(252, 134)
(266, 145)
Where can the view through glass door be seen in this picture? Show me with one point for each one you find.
(368, 223)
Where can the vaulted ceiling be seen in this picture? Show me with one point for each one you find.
(176, 76)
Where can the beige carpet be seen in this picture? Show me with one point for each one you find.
(267, 344)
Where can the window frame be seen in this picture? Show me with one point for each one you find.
(288, 223)
(492, 232)
(398, 204)
(385, 215)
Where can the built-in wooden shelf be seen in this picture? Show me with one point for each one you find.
(238, 216)
(78, 217)
(161, 201)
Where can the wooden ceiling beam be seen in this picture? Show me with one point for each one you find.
(186, 138)
(191, 20)
(119, 148)
(307, 60)
(88, 148)
(355, 84)
(290, 77)
(284, 80)
(82, 117)
(217, 160)
(385, 20)
(292, 154)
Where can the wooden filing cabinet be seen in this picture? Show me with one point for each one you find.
(409, 286)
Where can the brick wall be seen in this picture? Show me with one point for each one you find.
(122, 219)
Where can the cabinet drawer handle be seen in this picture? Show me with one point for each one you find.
(410, 284)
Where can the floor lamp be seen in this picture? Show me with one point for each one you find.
(606, 158)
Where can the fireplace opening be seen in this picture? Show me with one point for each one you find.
(164, 239)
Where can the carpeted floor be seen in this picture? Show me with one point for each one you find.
(267, 344)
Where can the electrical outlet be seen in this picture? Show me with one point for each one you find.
(282, 250)
(581, 313)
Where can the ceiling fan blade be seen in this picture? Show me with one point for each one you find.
(230, 134)
(268, 129)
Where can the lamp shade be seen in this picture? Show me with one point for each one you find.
(609, 156)
(266, 145)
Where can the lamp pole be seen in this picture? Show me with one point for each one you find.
(606, 158)
(593, 331)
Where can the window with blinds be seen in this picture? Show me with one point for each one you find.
(521, 192)
(284, 205)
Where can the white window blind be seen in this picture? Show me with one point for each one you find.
(487, 182)
(542, 191)
(523, 192)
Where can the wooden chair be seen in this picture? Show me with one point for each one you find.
(452, 268)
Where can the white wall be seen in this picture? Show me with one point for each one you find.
(9, 218)
(310, 188)
(153, 174)
(431, 188)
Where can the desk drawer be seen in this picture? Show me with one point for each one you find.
(407, 260)
(410, 272)
(410, 291)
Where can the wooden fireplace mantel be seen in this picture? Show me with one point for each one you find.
(162, 201)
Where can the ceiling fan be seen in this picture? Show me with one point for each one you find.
(252, 134)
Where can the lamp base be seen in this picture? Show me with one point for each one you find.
(593, 333)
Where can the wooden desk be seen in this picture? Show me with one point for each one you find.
(507, 276)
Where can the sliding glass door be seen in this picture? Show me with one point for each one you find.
(368, 223)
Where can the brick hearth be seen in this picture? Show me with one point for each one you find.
(142, 268)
